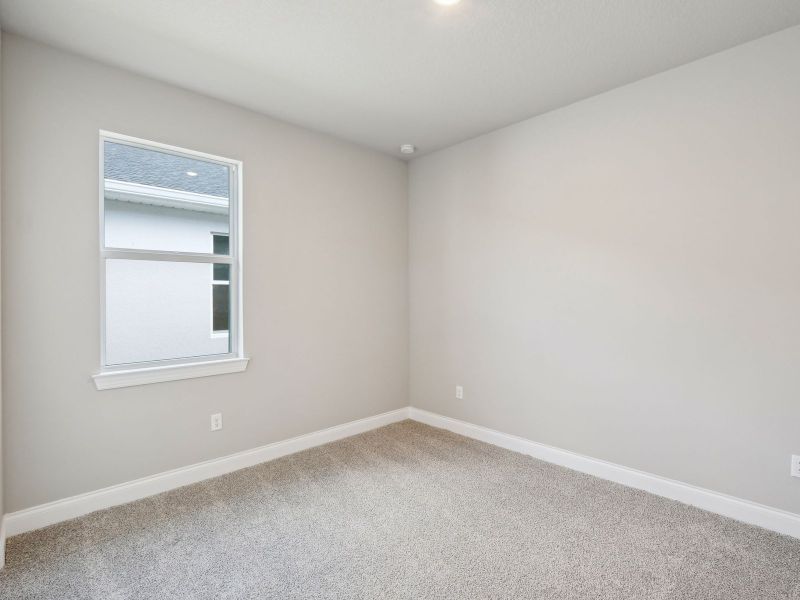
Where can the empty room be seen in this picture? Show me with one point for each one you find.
(400, 299)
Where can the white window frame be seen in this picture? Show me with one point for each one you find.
(115, 376)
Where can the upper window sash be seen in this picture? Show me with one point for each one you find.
(172, 195)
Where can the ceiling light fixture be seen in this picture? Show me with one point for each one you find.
(446, 2)
(408, 149)
(191, 173)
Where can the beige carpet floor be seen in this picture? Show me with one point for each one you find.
(403, 512)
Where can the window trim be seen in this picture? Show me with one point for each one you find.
(109, 380)
(112, 376)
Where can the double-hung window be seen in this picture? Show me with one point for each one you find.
(170, 265)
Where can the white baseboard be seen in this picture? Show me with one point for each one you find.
(69, 508)
(729, 506)
(61, 510)
(2, 541)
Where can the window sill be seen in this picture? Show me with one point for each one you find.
(109, 380)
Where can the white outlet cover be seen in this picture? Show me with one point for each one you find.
(216, 421)
(459, 392)
(796, 465)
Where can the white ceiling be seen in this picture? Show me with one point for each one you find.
(385, 72)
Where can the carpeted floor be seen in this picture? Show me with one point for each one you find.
(407, 511)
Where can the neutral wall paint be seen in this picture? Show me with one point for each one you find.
(2, 487)
(621, 278)
(325, 281)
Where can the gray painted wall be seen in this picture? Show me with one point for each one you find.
(325, 281)
(2, 487)
(621, 278)
(618, 278)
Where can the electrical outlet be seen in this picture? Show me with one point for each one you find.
(459, 392)
(796, 465)
(216, 421)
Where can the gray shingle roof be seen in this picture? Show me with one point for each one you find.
(151, 167)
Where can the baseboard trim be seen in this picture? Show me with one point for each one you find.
(2, 541)
(76, 506)
(729, 506)
(69, 508)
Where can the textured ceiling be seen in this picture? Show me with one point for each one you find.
(385, 72)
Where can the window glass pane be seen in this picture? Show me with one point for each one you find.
(221, 307)
(221, 245)
(158, 310)
(155, 200)
(222, 272)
